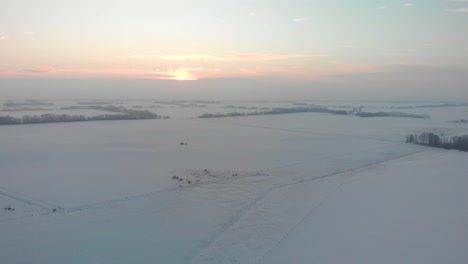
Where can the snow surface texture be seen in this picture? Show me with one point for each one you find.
(301, 188)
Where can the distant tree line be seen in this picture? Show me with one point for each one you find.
(432, 106)
(245, 107)
(54, 118)
(394, 114)
(434, 140)
(277, 111)
(140, 114)
(28, 103)
(93, 103)
(186, 104)
(462, 121)
(18, 109)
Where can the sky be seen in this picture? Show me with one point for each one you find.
(351, 47)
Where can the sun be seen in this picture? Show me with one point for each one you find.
(182, 75)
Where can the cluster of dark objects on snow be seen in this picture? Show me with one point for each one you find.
(9, 208)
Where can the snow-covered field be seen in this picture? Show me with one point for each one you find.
(298, 188)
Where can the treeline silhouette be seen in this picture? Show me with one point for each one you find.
(394, 114)
(434, 140)
(124, 114)
(277, 111)
(463, 121)
(432, 106)
(28, 103)
(245, 107)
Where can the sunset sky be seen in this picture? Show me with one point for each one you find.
(306, 40)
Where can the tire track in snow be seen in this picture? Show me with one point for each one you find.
(206, 246)
(299, 131)
(48, 207)
(149, 194)
(326, 198)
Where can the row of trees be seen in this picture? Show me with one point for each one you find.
(463, 121)
(245, 107)
(434, 140)
(139, 114)
(28, 103)
(432, 106)
(395, 114)
(53, 118)
(276, 111)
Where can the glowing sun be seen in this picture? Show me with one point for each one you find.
(182, 75)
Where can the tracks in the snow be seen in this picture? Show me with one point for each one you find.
(299, 131)
(47, 207)
(208, 244)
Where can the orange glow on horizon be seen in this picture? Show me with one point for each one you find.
(322, 72)
(182, 74)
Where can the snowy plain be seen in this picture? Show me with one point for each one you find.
(299, 188)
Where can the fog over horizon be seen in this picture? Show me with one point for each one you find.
(380, 87)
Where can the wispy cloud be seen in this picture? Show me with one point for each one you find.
(246, 57)
(40, 70)
(397, 54)
(4, 37)
(181, 73)
(382, 7)
(25, 72)
(408, 5)
(326, 72)
(29, 33)
(299, 72)
(252, 13)
(300, 19)
(457, 10)
(68, 72)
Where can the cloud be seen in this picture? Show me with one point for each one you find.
(459, 1)
(4, 37)
(42, 70)
(397, 54)
(252, 13)
(29, 33)
(382, 7)
(458, 10)
(181, 73)
(246, 57)
(28, 72)
(299, 72)
(300, 19)
(408, 5)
